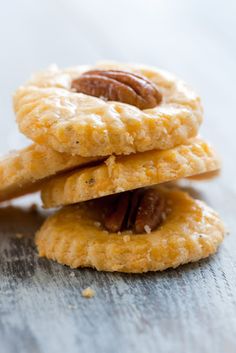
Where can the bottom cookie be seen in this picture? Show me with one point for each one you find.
(75, 236)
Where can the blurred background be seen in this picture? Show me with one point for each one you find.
(194, 39)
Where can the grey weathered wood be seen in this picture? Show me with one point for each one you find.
(190, 309)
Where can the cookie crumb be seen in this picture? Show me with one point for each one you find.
(126, 238)
(147, 229)
(19, 236)
(97, 224)
(88, 292)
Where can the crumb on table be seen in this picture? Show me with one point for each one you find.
(88, 292)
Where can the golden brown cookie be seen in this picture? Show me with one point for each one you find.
(74, 236)
(23, 171)
(123, 173)
(206, 176)
(51, 112)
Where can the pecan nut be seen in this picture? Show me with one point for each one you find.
(114, 221)
(138, 210)
(150, 211)
(121, 86)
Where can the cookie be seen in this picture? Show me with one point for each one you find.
(74, 236)
(23, 171)
(51, 109)
(123, 173)
(206, 176)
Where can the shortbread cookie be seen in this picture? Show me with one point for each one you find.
(23, 171)
(74, 236)
(51, 112)
(123, 173)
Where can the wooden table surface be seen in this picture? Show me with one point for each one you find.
(190, 309)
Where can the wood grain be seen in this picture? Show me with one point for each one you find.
(190, 309)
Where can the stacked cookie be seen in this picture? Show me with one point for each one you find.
(107, 140)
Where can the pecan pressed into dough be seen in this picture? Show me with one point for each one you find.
(114, 221)
(150, 211)
(121, 86)
(138, 210)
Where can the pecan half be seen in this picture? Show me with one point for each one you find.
(114, 221)
(150, 211)
(121, 86)
(137, 210)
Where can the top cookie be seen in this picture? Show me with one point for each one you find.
(123, 109)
